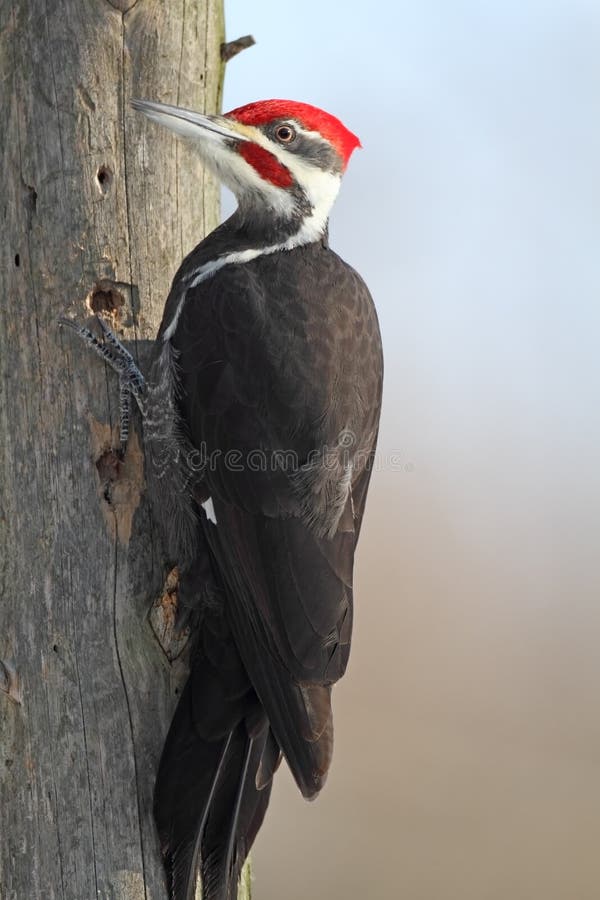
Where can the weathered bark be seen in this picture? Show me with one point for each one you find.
(92, 197)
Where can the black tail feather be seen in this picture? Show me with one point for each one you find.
(187, 779)
(207, 806)
(224, 845)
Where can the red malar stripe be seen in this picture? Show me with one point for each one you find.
(267, 165)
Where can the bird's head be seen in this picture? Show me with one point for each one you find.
(283, 160)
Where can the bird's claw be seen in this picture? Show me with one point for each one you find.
(112, 351)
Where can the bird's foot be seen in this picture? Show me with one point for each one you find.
(131, 380)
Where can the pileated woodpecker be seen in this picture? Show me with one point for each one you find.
(261, 413)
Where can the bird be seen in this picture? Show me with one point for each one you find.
(261, 414)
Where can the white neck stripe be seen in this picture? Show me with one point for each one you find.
(206, 271)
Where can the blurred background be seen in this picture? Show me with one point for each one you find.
(467, 763)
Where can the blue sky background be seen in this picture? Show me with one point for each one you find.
(467, 735)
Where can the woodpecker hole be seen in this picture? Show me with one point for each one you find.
(168, 598)
(108, 466)
(105, 298)
(163, 618)
(17, 260)
(104, 178)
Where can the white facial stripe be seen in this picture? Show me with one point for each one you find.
(320, 187)
(280, 150)
(243, 179)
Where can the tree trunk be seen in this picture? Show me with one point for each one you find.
(98, 208)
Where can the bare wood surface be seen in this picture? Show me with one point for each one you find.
(95, 203)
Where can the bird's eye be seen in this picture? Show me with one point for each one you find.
(285, 134)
